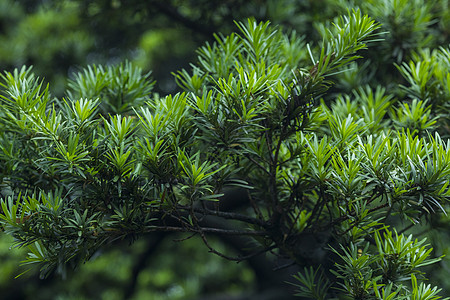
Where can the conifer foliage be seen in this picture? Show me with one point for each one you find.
(326, 176)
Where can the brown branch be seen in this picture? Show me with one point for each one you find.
(255, 206)
(212, 250)
(269, 147)
(231, 216)
(204, 230)
(277, 149)
(257, 164)
(234, 258)
(185, 238)
(284, 266)
(251, 255)
(352, 214)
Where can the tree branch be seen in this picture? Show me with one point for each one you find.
(257, 164)
(205, 230)
(352, 214)
(231, 216)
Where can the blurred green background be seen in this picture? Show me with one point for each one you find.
(59, 37)
(148, 269)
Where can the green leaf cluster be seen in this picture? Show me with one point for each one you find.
(323, 173)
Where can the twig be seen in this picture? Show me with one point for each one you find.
(185, 238)
(232, 216)
(205, 230)
(284, 266)
(257, 164)
(212, 250)
(352, 214)
(255, 207)
(234, 258)
(269, 147)
(258, 252)
(411, 225)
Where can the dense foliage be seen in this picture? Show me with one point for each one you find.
(332, 158)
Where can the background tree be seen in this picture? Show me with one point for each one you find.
(353, 161)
